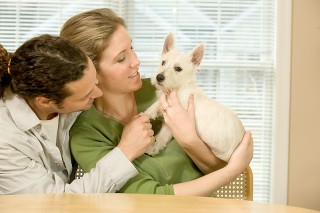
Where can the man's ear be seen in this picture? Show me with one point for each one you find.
(44, 102)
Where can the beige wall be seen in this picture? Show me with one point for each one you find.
(304, 153)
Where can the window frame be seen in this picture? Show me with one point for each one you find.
(280, 157)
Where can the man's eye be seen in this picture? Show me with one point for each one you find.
(177, 69)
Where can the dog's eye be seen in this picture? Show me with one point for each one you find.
(163, 63)
(177, 69)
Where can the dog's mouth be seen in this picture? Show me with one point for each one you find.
(160, 84)
(161, 87)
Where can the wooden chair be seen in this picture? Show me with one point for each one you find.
(241, 188)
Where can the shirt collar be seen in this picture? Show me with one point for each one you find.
(21, 113)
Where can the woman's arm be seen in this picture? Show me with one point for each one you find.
(208, 184)
(144, 182)
(181, 123)
(92, 140)
(94, 145)
(136, 137)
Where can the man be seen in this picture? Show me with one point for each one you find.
(43, 86)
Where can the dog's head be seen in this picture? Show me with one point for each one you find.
(176, 68)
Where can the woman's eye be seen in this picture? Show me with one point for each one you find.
(122, 59)
(163, 63)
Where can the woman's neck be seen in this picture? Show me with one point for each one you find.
(118, 107)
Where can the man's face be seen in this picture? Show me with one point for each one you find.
(84, 91)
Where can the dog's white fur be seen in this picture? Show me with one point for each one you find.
(216, 125)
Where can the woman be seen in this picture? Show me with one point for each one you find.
(179, 168)
(42, 85)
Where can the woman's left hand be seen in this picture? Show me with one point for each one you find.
(182, 124)
(180, 121)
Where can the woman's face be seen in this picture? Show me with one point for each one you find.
(119, 65)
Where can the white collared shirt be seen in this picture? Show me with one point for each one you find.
(31, 163)
(50, 128)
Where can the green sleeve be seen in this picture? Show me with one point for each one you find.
(158, 174)
(86, 149)
(93, 136)
(144, 183)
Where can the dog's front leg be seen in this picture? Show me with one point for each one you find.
(162, 139)
(164, 135)
(154, 110)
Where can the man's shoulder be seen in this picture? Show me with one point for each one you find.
(8, 130)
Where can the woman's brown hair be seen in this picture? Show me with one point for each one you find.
(92, 30)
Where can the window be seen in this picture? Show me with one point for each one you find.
(239, 65)
(238, 68)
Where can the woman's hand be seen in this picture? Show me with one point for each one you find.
(243, 154)
(136, 137)
(180, 121)
(182, 124)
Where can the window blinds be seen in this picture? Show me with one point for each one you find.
(24, 19)
(238, 68)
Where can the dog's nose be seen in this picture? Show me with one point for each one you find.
(160, 77)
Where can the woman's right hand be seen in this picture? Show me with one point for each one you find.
(136, 137)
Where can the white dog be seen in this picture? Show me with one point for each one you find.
(216, 125)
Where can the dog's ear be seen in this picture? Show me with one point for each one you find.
(197, 54)
(168, 43)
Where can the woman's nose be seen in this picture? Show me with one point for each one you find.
(135, 62)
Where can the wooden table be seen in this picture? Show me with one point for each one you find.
(90, 203)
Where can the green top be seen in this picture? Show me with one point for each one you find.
(94, 135)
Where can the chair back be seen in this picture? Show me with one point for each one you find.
(79, 173)
(241, 188)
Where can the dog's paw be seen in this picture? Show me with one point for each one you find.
(153, 110)
(152, 150)
(151, 114)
